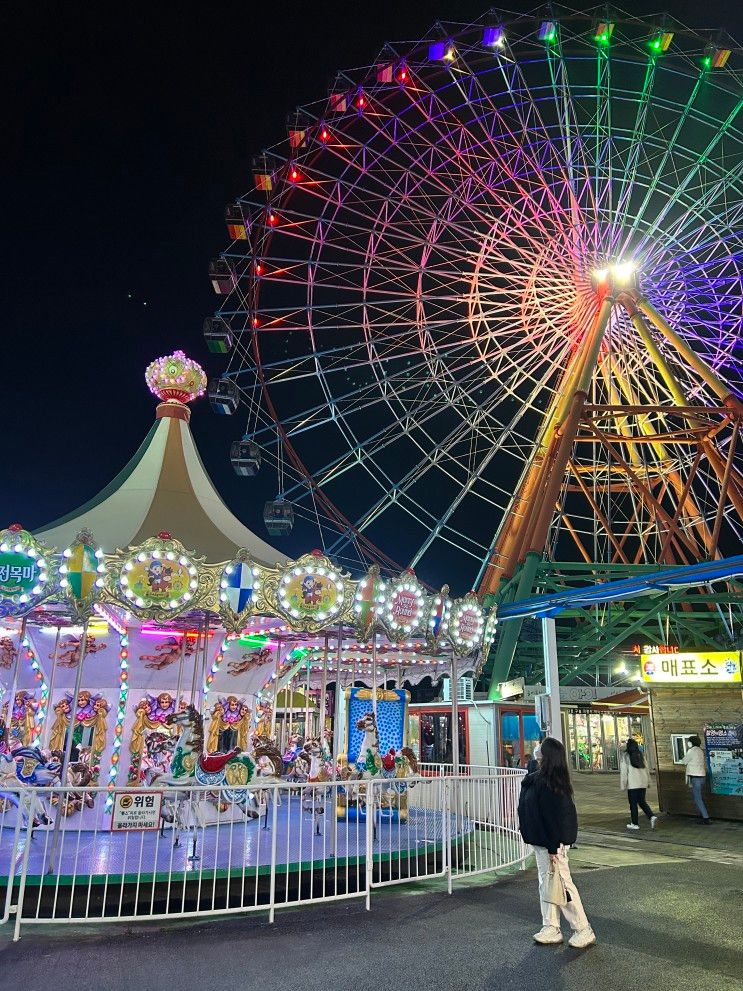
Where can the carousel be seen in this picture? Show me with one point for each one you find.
(150, 639)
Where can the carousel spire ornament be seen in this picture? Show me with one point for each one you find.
(176, 380)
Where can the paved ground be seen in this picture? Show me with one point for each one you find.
(667, 910)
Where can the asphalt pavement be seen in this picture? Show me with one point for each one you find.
(667, 907)
(663, 922)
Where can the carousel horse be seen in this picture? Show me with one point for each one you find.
(269, 769)
(80, 773)
(392, 768)
(24, 767)
(227, 771)
(313, 798)
(159, 748)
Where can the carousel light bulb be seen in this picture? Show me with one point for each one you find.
(64, 583)
(99, 583)
(170, 556)
(141, 557)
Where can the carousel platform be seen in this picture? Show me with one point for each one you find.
(134, 872)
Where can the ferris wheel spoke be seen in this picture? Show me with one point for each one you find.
(702, 159)
(630, 171)
(659, 169)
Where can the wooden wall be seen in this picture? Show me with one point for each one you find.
(687, 710)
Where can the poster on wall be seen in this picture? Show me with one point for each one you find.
(724, 746)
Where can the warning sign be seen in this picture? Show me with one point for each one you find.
(136, 810)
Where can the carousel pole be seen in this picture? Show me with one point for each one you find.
(307, 734)
(454, 683)
(14, 683)
(50, 697)
(204, 665)
(374, 676)
(276, 692)
(196, 658)
(323, 691)
(184, 641)
(290, 707)
(68, 746)
(338, 701)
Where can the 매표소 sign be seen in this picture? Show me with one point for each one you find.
(136, 810)
(707, 667)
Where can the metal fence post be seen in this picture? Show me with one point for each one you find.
(272, 892)
(447, 807)
(370, 804)
(24, 870)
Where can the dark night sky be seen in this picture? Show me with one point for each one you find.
(132, 126)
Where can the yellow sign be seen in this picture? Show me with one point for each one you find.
(157, 580)
(705, 668)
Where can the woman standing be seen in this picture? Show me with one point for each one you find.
(696, 775)
(549, 822)
(634, 778)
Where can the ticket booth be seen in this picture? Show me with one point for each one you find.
(697, 693)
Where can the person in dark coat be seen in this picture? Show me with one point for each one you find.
(549, 822)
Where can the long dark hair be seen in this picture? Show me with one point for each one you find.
(554, 767)
(635, 754)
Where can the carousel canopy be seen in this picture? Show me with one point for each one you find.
(165, 485)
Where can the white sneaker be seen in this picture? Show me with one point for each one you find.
(631, 825)
(548, 935)
(582, 939)
(653, 820)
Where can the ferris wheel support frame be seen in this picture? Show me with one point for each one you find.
(522, 538)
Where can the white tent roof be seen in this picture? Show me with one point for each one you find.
(164, 487)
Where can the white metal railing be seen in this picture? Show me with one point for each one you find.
(241, 850)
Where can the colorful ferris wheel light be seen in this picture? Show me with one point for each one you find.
(547, 32)
(425, 293)
(494, 37)
(603, 32)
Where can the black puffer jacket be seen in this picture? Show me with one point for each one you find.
(545, 818)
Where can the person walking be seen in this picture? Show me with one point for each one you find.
(634, 778)
(549, 822)
(696, 775)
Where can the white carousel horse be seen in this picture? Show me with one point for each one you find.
(227, 772)
(313, 798)
(28, 767)
(269, 769)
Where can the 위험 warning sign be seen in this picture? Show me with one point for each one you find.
(136, 810)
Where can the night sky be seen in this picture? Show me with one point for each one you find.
(130, 129)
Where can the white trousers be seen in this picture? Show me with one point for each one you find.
(573, 911)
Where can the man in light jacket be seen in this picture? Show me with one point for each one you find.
(696, 775)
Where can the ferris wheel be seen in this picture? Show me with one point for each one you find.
(456, 242)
